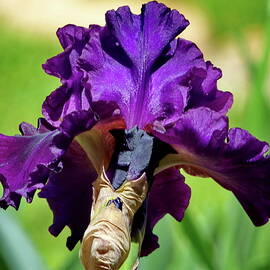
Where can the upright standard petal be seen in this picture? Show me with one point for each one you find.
(232, 157)
(143, 37)
(168, 195)
(156, 75)
(72, 95)
(130, 48)
(205, 93)
(135, 64)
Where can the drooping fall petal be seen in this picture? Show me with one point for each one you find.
(26, 161)
(168, 195)
(69, 194)
(232, 157)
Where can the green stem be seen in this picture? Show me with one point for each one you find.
(132, 258)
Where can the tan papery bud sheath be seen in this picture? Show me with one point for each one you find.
(106, 241)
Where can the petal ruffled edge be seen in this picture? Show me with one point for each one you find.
(27, 161)
(69, 194)
(233, 157)
(168, 195)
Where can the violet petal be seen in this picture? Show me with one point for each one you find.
(135, 64)
(72, 95)
(205, 92)
(113, 52)
(69, 194)
(232, 157)
(25, 163)
(168, 195)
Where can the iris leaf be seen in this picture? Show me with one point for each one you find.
(16, 249)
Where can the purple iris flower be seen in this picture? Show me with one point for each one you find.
(132, 73)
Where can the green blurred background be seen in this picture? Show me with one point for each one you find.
(216, 234)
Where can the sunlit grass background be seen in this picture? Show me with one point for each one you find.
(216, 233)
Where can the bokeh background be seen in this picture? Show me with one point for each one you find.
(215, 234)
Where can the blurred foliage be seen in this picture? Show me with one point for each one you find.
(23, 83)
(17, 251)
(258, 122)
(228, 18)
(215, 234)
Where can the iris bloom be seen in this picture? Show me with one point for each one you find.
(135, 105)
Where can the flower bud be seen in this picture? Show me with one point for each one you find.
(106, 241)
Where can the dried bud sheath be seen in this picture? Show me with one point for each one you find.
(106, 241)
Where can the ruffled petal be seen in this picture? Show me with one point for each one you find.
(25, 163)
(73, 39)
(73, 36)
(110, 53)
(168, 195)
(74, 124)
(143, 37)
(172, 82)
(72, 95)
(205, 93)
(232, 157)
(134, 64)
(147, 89)
(69, 194)
(128, 49)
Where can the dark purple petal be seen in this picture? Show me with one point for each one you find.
(172, 82)
(74, 124)
(205, 93)
(144, 37)
(135, 64)
(109, 54)
(168, 195)
(154, 82)
(27, 129)
(78, 122)
(233, 157)
(73, 36)
(69, 194)
(72, 95)
(130, 48)
(59, 66)
(25, 163)
(73, 39)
